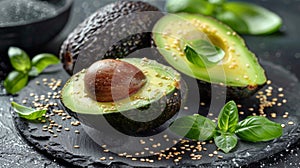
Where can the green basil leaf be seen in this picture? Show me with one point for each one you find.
(233, 20)
(192, 6)
(194, 127)
(226, 141)
(228, 117)
(26, 112)
(19, 59)
(259, 20)
(15, 81)
(203, 53)
(258, 128)
(41, 61)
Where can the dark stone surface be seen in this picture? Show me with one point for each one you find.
(62, 147)
(281, 48)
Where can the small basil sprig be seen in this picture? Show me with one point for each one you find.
(253, 128)
(26, 112)
(244, 18)
(24, 68)
(203, 53)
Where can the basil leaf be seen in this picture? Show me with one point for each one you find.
(194, 127)
(192, 6)
(258, 128)
(41, 61)
(228, 117)
(258, 19)
(15, 81)
(19, 59)
(203, 53)
(26, 112)
(233, 20)
(226, 141)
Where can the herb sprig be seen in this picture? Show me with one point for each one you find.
(228, 129)
(245, 18)
(25, 68)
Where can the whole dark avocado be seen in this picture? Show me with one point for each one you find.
(114, 31)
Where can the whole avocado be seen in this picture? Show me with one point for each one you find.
(114, 31)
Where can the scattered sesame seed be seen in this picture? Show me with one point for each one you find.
(220, 156)
(282, 125)
(290, 123)
(76, 146)
(67, 129)
(102, 158)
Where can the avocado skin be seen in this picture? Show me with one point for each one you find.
(100, 35)
(167, 106)
(231, 93)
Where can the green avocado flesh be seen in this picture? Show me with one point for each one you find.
(161, 80)
(238, 68)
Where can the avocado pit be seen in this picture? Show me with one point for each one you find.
(110, 80)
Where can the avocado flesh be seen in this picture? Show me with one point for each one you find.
(161, 80)
(239, 67)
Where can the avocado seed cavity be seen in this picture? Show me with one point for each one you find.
(110, 80)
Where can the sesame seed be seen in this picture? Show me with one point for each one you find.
(282, 125)
(269, 82)
(290, 123)
(251, 109)
(111, 158)
(220, 156)
(210, 155)
(76, 146)
(102, 158)
(67, 129)
(280, 89)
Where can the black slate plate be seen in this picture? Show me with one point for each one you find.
(90, 152)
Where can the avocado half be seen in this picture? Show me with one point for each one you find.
(154, 104)
(239, 72)
(113, 31)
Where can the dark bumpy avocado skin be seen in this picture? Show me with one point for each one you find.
(164, 109)
(230, 93)
(111, 32)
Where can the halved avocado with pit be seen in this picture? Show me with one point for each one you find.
(150, 107)
(239, 70)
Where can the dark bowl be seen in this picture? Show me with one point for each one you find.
(33, 32)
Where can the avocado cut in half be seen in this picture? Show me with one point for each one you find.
(149, 108)
(237, 70)
(113, 31)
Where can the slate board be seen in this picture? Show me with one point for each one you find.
(89, 153)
